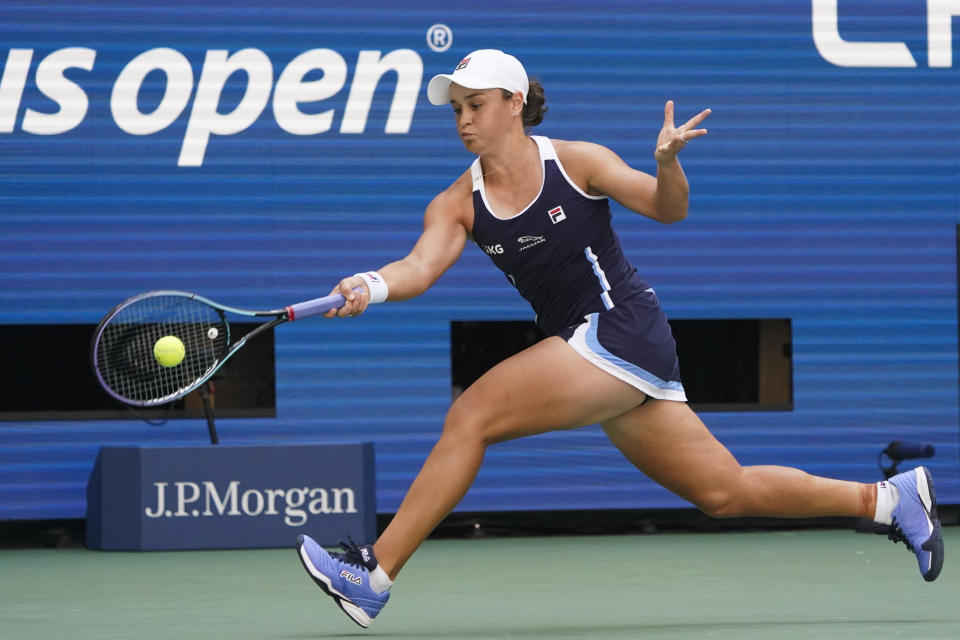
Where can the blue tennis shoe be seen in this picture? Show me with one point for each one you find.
(915, 520)
(345, 577)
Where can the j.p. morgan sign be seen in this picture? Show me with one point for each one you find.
(229, 497)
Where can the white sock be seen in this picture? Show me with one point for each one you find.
(887, 498)
(379, 580)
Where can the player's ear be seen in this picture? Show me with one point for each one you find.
(516, 101)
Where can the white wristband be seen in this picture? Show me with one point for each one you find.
(375, 284)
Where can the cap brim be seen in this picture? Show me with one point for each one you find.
(438, 91)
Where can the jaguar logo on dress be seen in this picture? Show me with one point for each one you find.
(557, 215)
(530, 241)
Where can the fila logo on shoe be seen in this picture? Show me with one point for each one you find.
(365, 553)
(352, 578)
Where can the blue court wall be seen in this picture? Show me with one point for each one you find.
(826, 192)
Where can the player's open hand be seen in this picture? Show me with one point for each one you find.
(354, 290)
(672, 139)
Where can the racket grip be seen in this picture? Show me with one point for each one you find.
(316, 307)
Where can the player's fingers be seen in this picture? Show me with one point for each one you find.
(673, 144)
(358, 295)
(351, 289)
(348, 287)
(697, 119)
(349, 307)
(360, 302)
(333, 312)
(668, 114)
(681, 137)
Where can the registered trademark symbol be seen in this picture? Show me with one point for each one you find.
(439, 38)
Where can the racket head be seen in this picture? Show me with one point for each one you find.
(121, 352)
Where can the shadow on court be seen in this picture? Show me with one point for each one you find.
(820, 629)
(820, 584)
(777, 629)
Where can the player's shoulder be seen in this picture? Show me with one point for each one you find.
(460, 192)
(582, 161)
(579, 150)
(456, 201)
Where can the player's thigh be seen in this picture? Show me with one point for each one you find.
(545, 387)
(671, 445)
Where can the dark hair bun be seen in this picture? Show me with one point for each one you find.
(536, 106)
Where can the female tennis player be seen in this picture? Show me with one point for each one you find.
(539, 208)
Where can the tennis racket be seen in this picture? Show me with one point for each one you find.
(122, 350)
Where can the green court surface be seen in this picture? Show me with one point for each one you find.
(820, 584)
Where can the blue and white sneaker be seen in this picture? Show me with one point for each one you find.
(915, 520)
(345, 577)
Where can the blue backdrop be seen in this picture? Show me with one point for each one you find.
(285, 145)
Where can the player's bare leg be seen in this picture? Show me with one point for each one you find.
(668, 442)
(546, 387)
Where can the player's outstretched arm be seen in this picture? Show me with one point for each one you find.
(439, 246)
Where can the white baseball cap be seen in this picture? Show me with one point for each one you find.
(482, 69)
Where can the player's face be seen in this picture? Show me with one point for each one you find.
(483, 116)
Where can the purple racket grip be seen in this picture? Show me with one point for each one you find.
(316, 306)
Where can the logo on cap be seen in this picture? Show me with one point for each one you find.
(463, 64)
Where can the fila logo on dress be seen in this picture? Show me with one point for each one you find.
(557, 215)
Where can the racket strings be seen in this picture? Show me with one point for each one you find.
(125, 347)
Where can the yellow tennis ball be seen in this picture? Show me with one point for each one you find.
(169, 351)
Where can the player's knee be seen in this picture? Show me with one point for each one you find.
(465, 421)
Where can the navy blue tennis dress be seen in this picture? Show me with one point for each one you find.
(563, 257)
